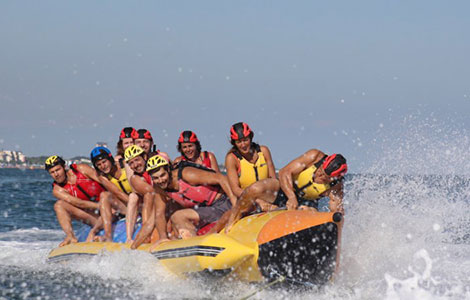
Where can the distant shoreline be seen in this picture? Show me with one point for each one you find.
(22, 167)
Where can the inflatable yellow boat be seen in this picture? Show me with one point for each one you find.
(300, 246)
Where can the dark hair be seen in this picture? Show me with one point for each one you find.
(167, 168)
(198, 148)
(119, 148)
(253, 146)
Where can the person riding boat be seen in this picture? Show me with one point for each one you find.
(246, 162)
(190, 149)
(114, 178)
(301, 184)
(144, 140)
(204, 194)
(141, 183)
(78, 193)
(125, 140)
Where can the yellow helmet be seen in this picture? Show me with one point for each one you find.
(132, 152)
(155, 162)
(53, 161)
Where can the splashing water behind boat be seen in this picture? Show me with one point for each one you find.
(405, 237)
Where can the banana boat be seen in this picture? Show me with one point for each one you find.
(300, 246)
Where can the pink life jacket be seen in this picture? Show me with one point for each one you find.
(188, 195)
(84, 187)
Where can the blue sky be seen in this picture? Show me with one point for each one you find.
(341, 76)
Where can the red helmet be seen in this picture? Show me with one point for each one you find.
(188, 136)
(240, 130)
(127, 132)
(335, 165)
(142, 134)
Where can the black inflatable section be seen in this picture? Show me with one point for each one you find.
(306, 257)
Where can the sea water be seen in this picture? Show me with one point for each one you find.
(406, 236)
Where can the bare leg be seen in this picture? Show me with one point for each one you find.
(65, 213)
(148, 224)
(107, 216)
(107, 203)
(265, 190)
(183, 222)
(131, 216)
(221, 222)
(95, 229)
(264, 205)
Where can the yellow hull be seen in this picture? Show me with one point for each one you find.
(302, 246)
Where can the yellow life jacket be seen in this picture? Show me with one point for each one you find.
(249, 173)
(306, 188)
(122, 183)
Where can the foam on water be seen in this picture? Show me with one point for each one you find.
(406, 236)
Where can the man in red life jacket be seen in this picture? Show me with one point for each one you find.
(77, 191)
(204, 194)
(141, 182)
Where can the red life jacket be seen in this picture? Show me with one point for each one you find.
(206, 161)
(84, 187)
(188, 195)
(147, 177)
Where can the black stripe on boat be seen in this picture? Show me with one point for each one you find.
(68, 256)
(188, 251)
(306, 257)
(210, 274)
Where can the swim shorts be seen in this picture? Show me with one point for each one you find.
(210, 214)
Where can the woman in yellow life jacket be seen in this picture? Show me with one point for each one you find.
(301, 184)
(247, 162)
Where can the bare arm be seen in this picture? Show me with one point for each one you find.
(269, 162)
(111, 187)
(231, 164)
(160, 217)
(140, 186)
(214, 163)
(129, 174)
(196, 176)
(287, 174)
(88, 172)
(336, 198)
(62, 194)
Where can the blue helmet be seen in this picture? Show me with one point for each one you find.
(99, 153)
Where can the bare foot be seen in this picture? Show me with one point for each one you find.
(231, 221)
(305, 207)
(157, 243)
(129, 241)
(106, 239)
(91, 238)
(185, 233)
(266, 206)
(68, 240)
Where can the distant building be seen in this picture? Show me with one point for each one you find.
(14, 157)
